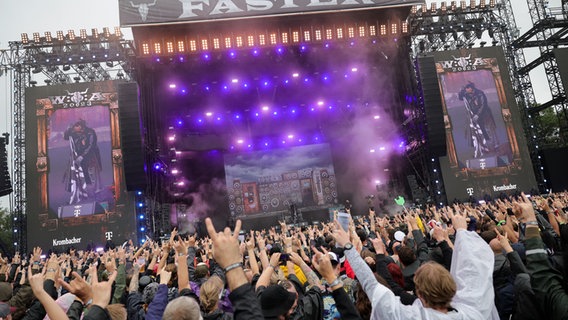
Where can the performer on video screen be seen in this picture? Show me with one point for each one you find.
(482, 130)
(83, 176)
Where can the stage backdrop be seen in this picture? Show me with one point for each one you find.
(75, 187)
(271, 181)
(486, 147)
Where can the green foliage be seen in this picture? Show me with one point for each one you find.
(5, 231)
(548, 124)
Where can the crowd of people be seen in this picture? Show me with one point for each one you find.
(500, 260)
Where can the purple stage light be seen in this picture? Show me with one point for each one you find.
(184, 91)
(209, 114)
(377, 117)
(330, 107)
(172, 86)
(377, 181)
(237, 116)
(206, 56)
(302, 48)
(157, 59)
(245, 85)
(225, 88)
(255, 52)
(200, 120)
(178, 152)
(181, 183)
(326, 45)
(313, 109)
(293, 111)
(280, 50)
(235, 80)
(372, 151)
(266, 83)
(286, 81)
(256, 114)
(320, 103)
(207, 88)
(250, 145)
(265, 108)
(179, 122)
(218, 118)
(306, 79)
(240, 141)
(352, 43)
(382, 148)
(354, 69)
(157, 166)
(295, 75)
(232, 54)
(283, 141)
(181, 59)
(171, 138)
(266, 144)
(275, 113)
(300, 140)
(175, 171)
(290, 136)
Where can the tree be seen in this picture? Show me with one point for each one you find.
(6, 246)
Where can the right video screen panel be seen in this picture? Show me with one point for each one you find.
(487, 150)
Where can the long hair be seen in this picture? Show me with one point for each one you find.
(209, 294)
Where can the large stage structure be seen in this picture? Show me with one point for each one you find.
(61, 58)
(188, 134)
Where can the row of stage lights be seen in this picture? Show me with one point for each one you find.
(237, 84)
(453, 7)
(206, 43)
(62, 38)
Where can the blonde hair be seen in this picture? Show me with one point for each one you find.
(209, 293)
(435, 285)
(117, 311)
(182, 308)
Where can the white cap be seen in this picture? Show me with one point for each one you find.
(399, 236)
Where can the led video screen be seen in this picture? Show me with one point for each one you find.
(274, 180)
(486, 148)
(75, 183)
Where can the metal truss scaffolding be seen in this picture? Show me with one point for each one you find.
(65, 59)
(549, 31)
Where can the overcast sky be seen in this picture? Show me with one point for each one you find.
(40, 15)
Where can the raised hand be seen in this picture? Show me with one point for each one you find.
(101, 290)
(225, 243)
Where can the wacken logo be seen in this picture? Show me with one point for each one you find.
(77, 99)
(462, 64)
(469, 191)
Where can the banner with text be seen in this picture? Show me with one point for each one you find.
(142, 12)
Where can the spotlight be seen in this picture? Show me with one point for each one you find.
(25, 39)
(36, 37)
(60, 36)
(83, 34)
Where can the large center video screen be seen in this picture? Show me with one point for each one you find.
(487, 151)
(280, 179)
(75, 186)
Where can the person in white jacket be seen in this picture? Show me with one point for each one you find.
(466, 292)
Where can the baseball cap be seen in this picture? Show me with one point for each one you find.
(6, 310)
(399, 236)
(276, 301)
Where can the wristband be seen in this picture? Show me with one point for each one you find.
(335, 282)
(502, 222)
(233, 266)
(51, 270)
(532, 223)
(275, 268)
(181, 254)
